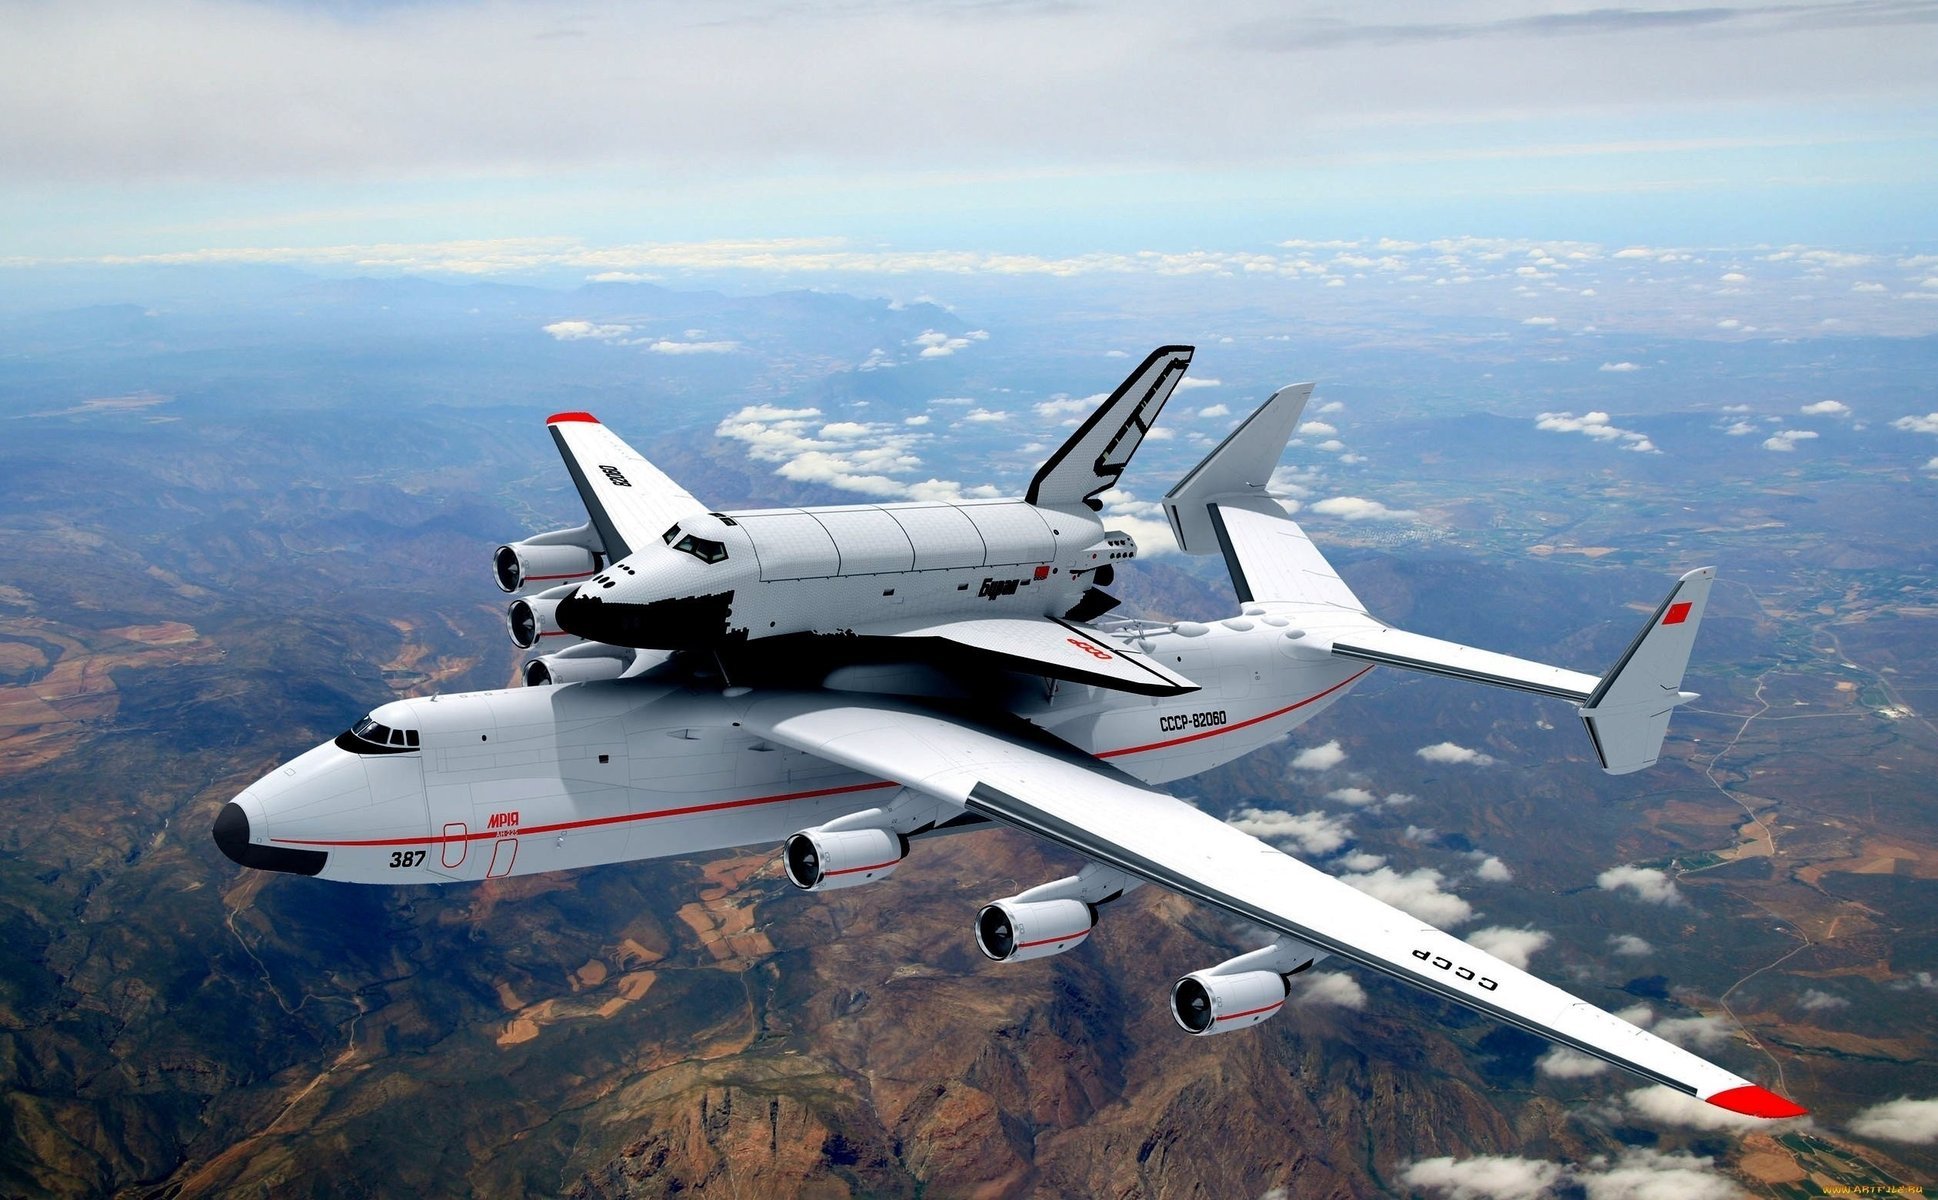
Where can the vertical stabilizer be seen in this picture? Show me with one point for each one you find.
(1091, 462)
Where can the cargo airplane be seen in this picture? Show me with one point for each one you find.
(843, 683)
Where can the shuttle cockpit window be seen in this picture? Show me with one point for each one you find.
(368, 736)
(704, 549)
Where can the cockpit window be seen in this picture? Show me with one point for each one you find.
(369, 737)
(704, 549)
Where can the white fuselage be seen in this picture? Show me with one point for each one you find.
(547, 778)
(744, 576)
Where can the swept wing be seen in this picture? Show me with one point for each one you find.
(1021, 778)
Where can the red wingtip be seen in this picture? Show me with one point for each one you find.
(1753, 1101)
(556, 418)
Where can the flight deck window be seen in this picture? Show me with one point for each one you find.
(369, 737)
(704, 549)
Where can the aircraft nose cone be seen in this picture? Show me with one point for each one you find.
(231, 833)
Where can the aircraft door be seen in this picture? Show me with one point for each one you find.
(450, 805)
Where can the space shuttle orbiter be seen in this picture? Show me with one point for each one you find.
(1005, 581)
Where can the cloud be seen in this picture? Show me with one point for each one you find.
(1636, 1174)
(1826, 408)
(1059, 408)
(1900, 1120)
(1314, 833)
(1512, 946)
(1493, 870)
(1330, 988)
(1629, 946)
(936, 344)
(1816, 1001)
(1563, 1062)
(1648, 884)
(1354, 508)
(1214, 410)
(1449, 752)
(1484, 1177)
(984, 416)
(1316, 429)
(1595, 425)
(1925, 424)
(1417, 892)
(1696, 1033)
(1358, 797)
(668, 347)
(577, 331)
(1786, 441)
(1193, 382)
(1646, 1174)
(1542, 321)
(1740, 428)
(1618, 366)
(1361, 860)
(1319, 758)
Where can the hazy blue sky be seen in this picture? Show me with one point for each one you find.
(180, 126)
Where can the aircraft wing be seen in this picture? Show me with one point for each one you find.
(1023, 778)
(1057, 649)
(631, 501)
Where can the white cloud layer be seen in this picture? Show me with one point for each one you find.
(1513, 946)
(1417, 892)
(1319, 758)
(1900, 1120)
(1314, 833)
(1355, 508)
(1450, 752)
(1786, 441)
(1637, 1174)
(1647, 883)
(1330, 988)
(1595, 425)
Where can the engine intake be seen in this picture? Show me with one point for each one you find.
(821, 860)
(1240, 992)
(1020, 930)
(567, 667)
(531, 618)
(547, 558)
(1203, 1003)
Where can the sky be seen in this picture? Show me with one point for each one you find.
(201, 127)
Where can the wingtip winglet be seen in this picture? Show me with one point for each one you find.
(561, 418)
(1753, 1101)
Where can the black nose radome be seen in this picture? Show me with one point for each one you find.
(231, 833)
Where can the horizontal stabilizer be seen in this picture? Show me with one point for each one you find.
(1271, 558)
(1091, 462)
(1628, 712)
(1057, 649)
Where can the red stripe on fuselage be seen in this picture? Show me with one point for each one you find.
(721, 806)
(594, 822)
(1194, 737)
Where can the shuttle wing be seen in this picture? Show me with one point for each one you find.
(1057, 649)
(631, 501)
(1021, 778)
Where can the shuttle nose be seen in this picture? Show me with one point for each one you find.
(231, 833)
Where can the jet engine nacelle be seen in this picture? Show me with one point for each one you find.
(530, 618)
(1241, 992)
(566, 667)
(1019, 930)
(548, 559)
(1204, 1003)
(821, 860)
